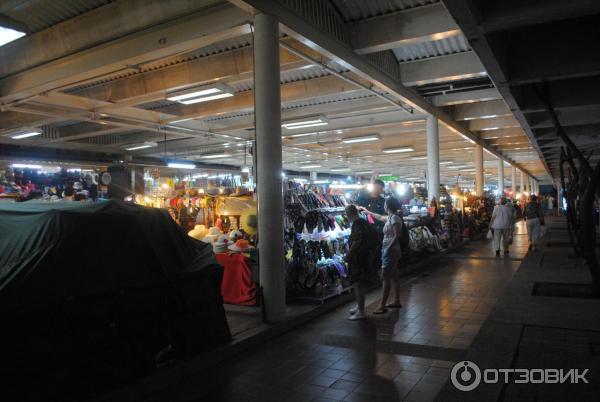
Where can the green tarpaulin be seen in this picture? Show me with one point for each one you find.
(100, 292)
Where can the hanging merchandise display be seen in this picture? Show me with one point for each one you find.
(316, 235)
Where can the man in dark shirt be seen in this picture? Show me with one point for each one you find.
(359, 260)
(374, 201)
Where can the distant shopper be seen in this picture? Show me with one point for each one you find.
(358, 259)
(550, 200)
(374, 201)
(501, 224)
(391, 253)
(532, 217)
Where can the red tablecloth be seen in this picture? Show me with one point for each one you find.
(237, 286)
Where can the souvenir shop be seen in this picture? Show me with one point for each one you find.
(317, 230)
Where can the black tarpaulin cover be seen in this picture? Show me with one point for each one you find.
(97, 294)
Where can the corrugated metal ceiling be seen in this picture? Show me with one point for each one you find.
(355, 10)
(454, 44)
(41, 14)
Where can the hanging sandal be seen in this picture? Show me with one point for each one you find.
(380, 311)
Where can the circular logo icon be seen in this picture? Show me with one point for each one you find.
(465, 375)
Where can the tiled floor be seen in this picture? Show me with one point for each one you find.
(404, 355)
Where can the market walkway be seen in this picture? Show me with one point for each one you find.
(404, 355)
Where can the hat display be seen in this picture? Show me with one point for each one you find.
(240, 246)
(234, 235)
(220, 246)
(199, 232)
(214, 231)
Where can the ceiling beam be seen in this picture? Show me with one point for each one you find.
(493, 124)
(480, 110)
(103, 24)
(453, 67)
(153, 85)
(174, 37)
(244, 101)
(329, 41)
(459, 98)
(468, 18)
(407, 27)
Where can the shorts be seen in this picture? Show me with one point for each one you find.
(390, 258)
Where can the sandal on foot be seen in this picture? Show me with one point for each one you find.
(380, 311)
(394, 305)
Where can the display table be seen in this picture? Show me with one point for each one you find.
(237, 286)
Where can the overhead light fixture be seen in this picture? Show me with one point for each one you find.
(306, 122)
(340, 170)
(309, 166)
(445, 162)
(320, 181)
(384, 174)
(365, 172)
(215, 156)
(364, 138)
(25, 134)
(181, 165)
(418, 158)
(203, 93)
(26, 166)
(147, 144)
(8, 35)
(397, 150)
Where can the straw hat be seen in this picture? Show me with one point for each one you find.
(240, 246)
(199, 232)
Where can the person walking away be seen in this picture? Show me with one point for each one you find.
(391, 253)
(532, 219)
(550, 204)
(359, 259)
(501, 224)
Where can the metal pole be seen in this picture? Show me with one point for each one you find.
(501, 176)
(433, 158)
(514, 182)
(267, 109)
(478, 170)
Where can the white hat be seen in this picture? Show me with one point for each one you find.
(199, 232)
(209, 238)
(214, 231)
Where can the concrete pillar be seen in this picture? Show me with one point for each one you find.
(433, 158)
(313, 176)
(501, 176)
(478, 170)
(513, 182)
(558, 197)
(267, 110)
(521, 182)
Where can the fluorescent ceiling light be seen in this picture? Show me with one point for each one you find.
(384, 174)
(206, 98)
(310, 166)
(310, 122)
(418, 158)
(25, 166)
(8, 35)
(201, 93)
(25, 135)
(397, 150)
(181, 165)
(365, 172)
(147, 144)
(215, 156)
(339, 170)
(446, 162)
(364, 138)
(321, 181)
